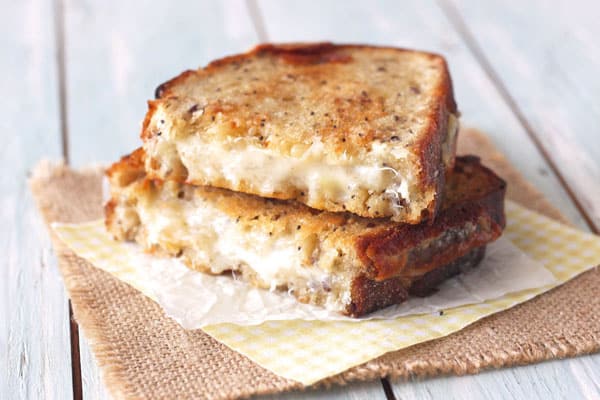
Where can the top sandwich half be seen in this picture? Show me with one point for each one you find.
(369, 130)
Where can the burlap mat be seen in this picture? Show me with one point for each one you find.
(143, 354)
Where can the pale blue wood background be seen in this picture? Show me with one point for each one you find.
(34, 328)
(521, 70)
(548, 62)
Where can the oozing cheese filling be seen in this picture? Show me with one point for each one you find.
(267, 172)
(310, 171)
(221, 243)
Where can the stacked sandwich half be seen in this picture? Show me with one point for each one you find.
(328, 171)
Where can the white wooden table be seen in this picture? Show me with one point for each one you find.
(75, 75)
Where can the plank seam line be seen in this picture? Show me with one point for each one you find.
(257, 20)
(59, 36)
(75, 355)
(387, 389)
(459, 24)
(62, 90)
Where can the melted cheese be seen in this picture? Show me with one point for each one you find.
(223, 244)
(267, 172)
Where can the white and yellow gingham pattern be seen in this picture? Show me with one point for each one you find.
(308, 351)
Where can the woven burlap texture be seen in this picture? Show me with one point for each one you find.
(144, 354)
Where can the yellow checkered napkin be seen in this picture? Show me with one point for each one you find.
(308, 351)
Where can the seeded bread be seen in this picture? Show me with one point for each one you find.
(365, 129)
(336, 260)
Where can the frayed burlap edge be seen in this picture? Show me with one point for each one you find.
(47, 171)
(143, 354)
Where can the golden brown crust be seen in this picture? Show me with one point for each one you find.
(166, 86)
(109, 214)
(130, 165)
(302, 54)
(328, 53)
(152, 107)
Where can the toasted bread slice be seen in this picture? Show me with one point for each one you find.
(369, 130)
(337, 260)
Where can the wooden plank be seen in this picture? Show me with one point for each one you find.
(543, 381)
(356, 391)
(91, 379)
(34, 331)
(548, 58)
(585, 370)
(422, 26)
(113, 67)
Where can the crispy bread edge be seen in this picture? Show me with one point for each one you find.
(301, 53)
(321, 52)
(430, 147)
(385, 253)
(128, 169)
(132, 162)
(369, 295)
(109, 214)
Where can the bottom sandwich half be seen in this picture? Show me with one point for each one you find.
(339, 261)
